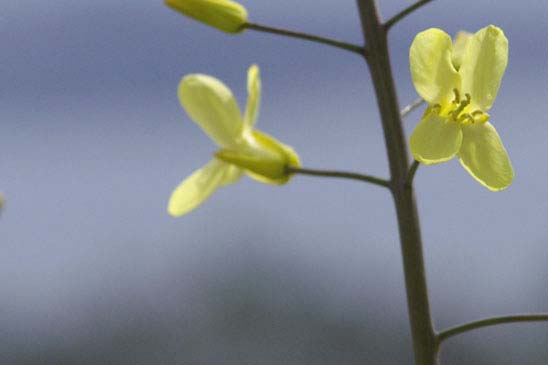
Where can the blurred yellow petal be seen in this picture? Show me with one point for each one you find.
(432, 71)
(253, 97)
(483, 66)
(483, 155)
(232, 174)
(212, 106)
(225, 15)
(459, 46)
(199, 186)
(435, 139)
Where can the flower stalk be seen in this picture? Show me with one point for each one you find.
(493, 321)
(306, 36)
(425, 342)
(339, 174)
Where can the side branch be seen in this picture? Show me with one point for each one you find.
(309, 37)
(444, 335)
(411, 106)
(339, 174)
(412, 172)
(405, 12)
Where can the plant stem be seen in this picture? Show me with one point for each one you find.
(405, 12)
(412, 171)
(412, 106)
(444, 335)
(339, 174)
(425, 342)
(309, 37)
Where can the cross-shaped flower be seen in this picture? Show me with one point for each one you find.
(212, 106)
(459, 96)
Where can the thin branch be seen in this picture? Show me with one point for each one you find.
(412, 106)
(444, 335)
(411, 173)
(402, 14)
(339, 174)
(309, 37)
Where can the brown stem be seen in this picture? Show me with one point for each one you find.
(515, 318)
(339, 174)
(405, 12)
(309, 37)
(425, 343)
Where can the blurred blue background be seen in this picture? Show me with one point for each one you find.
(93, 140)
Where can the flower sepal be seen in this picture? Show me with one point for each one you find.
(265, 160)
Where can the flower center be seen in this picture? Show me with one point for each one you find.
(459, 111)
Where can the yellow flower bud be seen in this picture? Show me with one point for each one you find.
(225, 15)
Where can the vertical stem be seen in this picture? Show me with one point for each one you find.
(425, 343)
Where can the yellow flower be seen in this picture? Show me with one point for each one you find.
(225, 15)
(459, 96)
(212, 106)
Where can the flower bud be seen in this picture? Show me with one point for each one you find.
(225, 15)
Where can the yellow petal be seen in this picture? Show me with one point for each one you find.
(431, 68)
(459, 46)
(199, 186)
(225, 15)
(264, 158)
(483, 155)
(253, 97)
(483, 65)
(435, 139)
(232, 174)
(212, 106)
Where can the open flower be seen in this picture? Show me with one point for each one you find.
(459, 96)
(212, 106)
(225, 15)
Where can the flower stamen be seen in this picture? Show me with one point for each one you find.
(462, 104)
(456, 101)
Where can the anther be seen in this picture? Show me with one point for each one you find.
(457, 96)
(434, 109)
(463, 104)
(466, 116)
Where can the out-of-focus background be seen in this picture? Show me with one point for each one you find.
(93, 140)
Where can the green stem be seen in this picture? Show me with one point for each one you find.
(309, 37)
(444, 335)
(405, 12)
(412, 172)
(339, 174)
(425, 342)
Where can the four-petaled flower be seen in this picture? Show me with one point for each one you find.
(459, 96)
(212, 106)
